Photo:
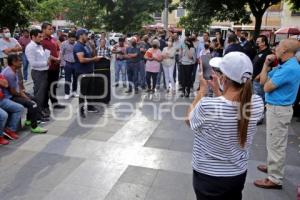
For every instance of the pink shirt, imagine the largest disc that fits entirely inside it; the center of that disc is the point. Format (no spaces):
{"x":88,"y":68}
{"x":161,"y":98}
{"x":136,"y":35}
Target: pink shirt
{"x":153,"y":65}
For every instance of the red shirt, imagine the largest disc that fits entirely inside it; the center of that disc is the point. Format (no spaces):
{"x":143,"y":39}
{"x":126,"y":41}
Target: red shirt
{"x":24,"y":42}
{"x":52,"y":45}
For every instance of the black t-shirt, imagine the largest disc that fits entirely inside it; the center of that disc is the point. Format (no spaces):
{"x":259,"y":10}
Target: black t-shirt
{"x":259,"y":60}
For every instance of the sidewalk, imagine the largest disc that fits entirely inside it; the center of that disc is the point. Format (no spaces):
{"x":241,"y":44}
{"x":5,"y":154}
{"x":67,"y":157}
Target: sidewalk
{"x":142,"y":158}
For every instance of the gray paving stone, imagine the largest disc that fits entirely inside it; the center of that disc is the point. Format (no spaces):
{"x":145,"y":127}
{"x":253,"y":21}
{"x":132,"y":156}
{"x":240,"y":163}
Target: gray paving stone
{"x":139,"y":175}
{"x":157,"y":142}
{"x":166,"y":194}
{"x":24,"y":193}
{"x":172,"y":180}
{"x":127,"y":191}
{"x":76,"y":192}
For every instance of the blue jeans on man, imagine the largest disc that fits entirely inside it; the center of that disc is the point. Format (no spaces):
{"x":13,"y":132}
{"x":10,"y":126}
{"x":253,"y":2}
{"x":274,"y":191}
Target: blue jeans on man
{"x":259,"y":90}
{"x":14,"y":111}
{"x":25,"y":66}
{"x":70,"y":78}
{"x":132,"y":73}
{"x":120,"y":67}
{"x":142,"y":74}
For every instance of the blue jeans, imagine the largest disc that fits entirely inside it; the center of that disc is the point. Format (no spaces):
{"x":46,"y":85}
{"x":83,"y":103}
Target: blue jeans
{"x":132,"y":73}
{"x":3,"y":119}
{"x":259,"y":90}
{"x":70,"y":77}
{"x":25,"y":66}
{"x":14,"y":111}
{"x":142,"y":74}
{"x":120,"y":66}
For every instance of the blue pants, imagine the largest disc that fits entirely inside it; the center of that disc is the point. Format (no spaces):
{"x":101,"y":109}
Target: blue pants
{"x":25,"y":66}
{"x":3,"y":119}
{"x":70,"y":77}
{"x":258,"y":89}
{"x":132,"y":73}
{"x":120,"y":66}
{"x":142,"y":74}
{"x":14,"y":111}
{"x":161,"y":72}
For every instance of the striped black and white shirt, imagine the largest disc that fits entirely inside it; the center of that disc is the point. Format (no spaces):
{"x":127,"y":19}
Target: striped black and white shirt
{"x":216,"y":150}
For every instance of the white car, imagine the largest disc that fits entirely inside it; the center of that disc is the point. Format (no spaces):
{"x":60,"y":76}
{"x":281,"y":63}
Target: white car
{"x":114,"y":37}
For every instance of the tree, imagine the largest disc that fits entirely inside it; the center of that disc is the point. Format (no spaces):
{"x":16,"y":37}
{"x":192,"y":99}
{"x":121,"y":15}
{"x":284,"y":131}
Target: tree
{"x":85,"y":13}
{"x":46,"y":10}
{"x":129,"y":15}
{"x":233,"y":10}
{"x":15,"y":12}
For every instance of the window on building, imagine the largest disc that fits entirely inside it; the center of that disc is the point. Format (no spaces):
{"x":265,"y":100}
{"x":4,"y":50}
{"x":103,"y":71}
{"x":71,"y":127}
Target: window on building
{"x":180,"y":12}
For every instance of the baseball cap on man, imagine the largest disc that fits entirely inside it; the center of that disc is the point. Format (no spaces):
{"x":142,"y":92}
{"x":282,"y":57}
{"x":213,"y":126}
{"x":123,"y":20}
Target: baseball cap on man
{"x":80,"y":32}
{"x":237,"y":66}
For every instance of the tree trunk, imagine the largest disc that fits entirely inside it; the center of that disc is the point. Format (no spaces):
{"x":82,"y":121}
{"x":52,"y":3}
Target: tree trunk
{"x":258,"y":22}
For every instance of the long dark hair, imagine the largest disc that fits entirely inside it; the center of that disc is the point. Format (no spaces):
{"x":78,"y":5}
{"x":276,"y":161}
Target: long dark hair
{"x":244,"y":98}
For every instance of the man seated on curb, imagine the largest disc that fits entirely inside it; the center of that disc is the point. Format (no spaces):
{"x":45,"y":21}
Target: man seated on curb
{"x":16,"y":94}
{"x":11,"y":109}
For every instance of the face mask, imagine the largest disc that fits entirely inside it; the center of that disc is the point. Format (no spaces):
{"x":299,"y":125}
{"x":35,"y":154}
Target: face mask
{"x":7,"y":35}
{"x":221,"y":85}
{"x":243,"y":39}
{"x":154,"y":46}
{"x":206,"y":46}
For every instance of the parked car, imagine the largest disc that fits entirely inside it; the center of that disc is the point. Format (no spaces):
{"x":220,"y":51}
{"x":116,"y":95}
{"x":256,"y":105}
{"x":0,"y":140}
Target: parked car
{"x":114,"y":37}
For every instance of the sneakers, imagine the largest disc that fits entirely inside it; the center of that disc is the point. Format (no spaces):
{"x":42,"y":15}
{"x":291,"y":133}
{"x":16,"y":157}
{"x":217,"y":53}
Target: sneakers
{"x":74,"y":94}
{"x":10,"y":134}
{"x":38,"y":130}
{"x":27,"y":123}
{"x":3,"y":141}
{"x":67,"y":97}
{"x":92,"y":109}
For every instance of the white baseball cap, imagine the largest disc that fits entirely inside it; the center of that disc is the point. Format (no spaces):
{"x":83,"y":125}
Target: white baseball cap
{"x":237,"y":66}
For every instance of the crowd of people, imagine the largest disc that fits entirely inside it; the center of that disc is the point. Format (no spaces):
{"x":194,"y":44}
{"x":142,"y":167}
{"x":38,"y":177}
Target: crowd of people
{"x":231,"y":69}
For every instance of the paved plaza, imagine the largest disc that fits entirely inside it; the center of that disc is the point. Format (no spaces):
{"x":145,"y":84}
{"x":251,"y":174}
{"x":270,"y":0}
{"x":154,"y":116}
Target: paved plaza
{"x":114,"y":155}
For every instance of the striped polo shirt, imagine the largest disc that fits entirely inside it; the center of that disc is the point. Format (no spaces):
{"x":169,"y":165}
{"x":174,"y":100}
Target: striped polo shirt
{"x":216,"y":150}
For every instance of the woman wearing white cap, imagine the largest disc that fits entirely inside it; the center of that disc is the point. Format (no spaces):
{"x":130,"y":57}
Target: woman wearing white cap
{"x":224,"y":127}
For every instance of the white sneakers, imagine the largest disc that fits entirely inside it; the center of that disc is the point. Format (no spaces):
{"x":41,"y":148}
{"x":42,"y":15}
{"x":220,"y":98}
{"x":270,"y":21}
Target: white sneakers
{"x":73,"y":94}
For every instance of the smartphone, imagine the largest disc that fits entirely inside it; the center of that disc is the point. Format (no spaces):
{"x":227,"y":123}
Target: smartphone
{"x":207,"y":69}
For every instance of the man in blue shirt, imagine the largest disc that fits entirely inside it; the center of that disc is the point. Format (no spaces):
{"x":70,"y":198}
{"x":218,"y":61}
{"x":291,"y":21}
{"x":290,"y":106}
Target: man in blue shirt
{"x":281,"y":85}
{"x":84,"y":65}
{"x":133,"y":56}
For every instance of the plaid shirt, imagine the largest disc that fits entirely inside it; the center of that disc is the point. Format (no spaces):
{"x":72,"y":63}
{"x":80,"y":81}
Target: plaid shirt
{"x":105,"y":52}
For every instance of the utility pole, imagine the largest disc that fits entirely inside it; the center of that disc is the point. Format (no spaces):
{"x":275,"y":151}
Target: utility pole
{"x":166,"y":20}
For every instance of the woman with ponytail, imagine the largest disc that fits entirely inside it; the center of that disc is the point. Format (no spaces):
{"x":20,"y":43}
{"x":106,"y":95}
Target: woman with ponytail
{"x":224,"y":127}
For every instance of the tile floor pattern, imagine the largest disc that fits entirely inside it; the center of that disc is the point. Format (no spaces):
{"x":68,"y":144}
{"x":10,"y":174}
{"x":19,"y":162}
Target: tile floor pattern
{"x":142,"y":157}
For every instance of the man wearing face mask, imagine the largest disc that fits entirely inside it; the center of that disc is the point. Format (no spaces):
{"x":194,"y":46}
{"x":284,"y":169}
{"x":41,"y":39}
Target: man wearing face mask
{"x":133,"y":62}
{"x":9,"y":45}
{"x":258,"y":63}
{"x":248,"y":46}
{"x":281,"y":85}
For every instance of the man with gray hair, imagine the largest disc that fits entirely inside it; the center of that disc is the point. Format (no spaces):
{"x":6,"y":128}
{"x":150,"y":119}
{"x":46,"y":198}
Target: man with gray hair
{"x":281,"y":85}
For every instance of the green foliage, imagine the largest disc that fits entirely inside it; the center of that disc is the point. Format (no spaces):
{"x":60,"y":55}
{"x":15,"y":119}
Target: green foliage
{"x":206,"y":11}
{"x":46,"y":10}
{"x":13,"y":12}
{"x":129,"y":15}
